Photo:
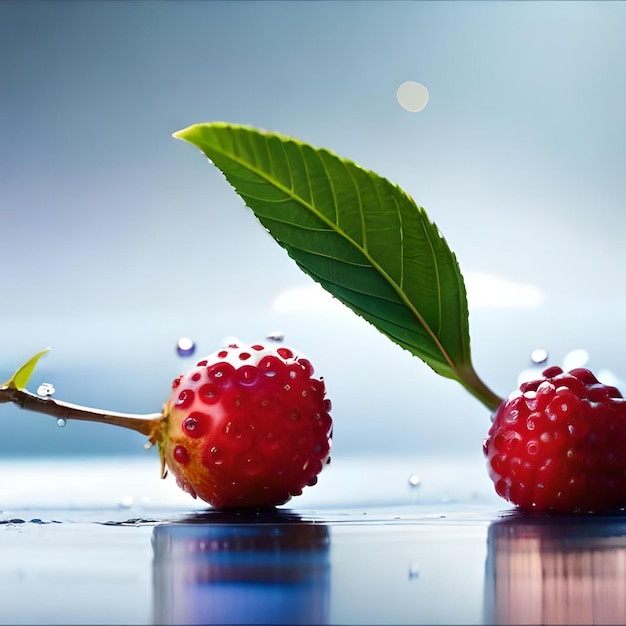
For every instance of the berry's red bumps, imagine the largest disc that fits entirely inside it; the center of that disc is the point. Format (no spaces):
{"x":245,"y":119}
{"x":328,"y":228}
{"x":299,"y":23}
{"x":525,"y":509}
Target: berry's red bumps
{"x":560,"y":444}
{"x":248,"y":426}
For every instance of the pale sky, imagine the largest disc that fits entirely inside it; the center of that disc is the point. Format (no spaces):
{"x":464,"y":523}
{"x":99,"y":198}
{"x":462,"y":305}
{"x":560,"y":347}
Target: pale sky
{"x":117,"y":238}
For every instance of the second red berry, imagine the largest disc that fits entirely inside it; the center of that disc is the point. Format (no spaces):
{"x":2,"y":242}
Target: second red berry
{"x":559,"y":444}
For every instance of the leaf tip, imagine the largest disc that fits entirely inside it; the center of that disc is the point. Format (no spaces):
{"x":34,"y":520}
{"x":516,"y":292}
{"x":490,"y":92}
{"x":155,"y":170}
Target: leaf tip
{"x":182,"y":134}
{"x":20,"y":379}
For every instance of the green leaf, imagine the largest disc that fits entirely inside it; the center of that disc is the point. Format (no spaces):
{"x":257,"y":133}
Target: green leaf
{"x":20,"y":379}
{"x":361,"y":237}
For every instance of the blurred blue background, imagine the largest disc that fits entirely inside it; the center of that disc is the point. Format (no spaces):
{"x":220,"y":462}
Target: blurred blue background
{"x":118,"y":239}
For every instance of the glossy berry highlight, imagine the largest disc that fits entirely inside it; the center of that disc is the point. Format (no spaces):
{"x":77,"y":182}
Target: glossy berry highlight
{"x":559,"y":444}
{"x":248,"y":426}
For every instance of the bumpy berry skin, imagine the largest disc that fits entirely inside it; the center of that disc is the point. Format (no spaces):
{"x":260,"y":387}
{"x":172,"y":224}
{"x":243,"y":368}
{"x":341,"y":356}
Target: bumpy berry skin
{"x":560,"y":445}
{"x":249,"y":426}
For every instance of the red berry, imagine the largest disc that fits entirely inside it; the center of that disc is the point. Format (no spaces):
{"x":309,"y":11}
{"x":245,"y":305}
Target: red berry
{"x":248,"y":426}
{"x":559,"y":444}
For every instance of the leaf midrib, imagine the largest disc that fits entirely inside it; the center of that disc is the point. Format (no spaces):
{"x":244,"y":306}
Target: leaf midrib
{"x":334,"y":227}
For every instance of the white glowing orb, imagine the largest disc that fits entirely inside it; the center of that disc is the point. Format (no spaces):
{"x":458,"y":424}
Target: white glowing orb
{"x":412,"y":96}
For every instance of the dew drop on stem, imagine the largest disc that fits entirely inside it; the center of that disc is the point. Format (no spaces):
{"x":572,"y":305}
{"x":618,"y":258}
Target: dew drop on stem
{"x":45,"y":390}
{"x":61,"y":422}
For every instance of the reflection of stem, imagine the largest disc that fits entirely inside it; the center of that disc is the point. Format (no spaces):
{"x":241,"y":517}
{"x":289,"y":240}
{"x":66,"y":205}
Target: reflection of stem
{"x":148,"y":425}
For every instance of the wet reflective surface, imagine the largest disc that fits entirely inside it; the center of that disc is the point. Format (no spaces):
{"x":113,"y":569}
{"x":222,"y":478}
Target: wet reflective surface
{"x":92,"y":543}
{"x":218,"y":571}
{"x":560,"y":570}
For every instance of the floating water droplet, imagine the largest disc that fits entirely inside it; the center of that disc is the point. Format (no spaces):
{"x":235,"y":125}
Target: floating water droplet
{"x":45,"y":389}
{"x":414,"y":570}
{"x":277,"y":336}
{"x":539,"y":356}
{"x":414,"y":481}
{"x":126,"y":502}
{"x":185,"y":346}
{"x":61,"y":422}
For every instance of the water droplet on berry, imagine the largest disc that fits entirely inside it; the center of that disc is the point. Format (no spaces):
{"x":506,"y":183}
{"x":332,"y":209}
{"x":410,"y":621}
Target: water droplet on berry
{"x":185,"y":398}
{"x":45,"y":389}
{"x":195,"y":425}
{"x":306,"y":366}
{"x":286,"y":353}
{"x":530,"y":398}
{"x":190,"y":424}
{"x":539,"y":356}
{"x":220,"y":373}
{"x":181,"y":455}
{"x":61,"y":422}
{"x":532,"y":448}
{"x":270,"y":366}
{"x":185,"y":347}
{"x":246,"y":375}
{"x":414,"y":481}
{"x":215,"y":456}
{"x":414,"y":571}
{"x":209,"y":393}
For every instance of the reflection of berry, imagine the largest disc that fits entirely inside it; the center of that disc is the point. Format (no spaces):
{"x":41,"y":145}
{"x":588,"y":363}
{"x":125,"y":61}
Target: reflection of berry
{"x":248,"y":426}
{"x":560,"y":444}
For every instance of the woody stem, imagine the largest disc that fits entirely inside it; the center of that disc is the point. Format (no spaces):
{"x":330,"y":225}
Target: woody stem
{"x":148,"y":424}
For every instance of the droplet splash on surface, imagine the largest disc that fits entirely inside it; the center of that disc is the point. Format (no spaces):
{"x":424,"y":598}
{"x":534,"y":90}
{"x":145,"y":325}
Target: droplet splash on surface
{"x":61,"y":422}
{"x":185,"y":347}
{"x":45,"y":390}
